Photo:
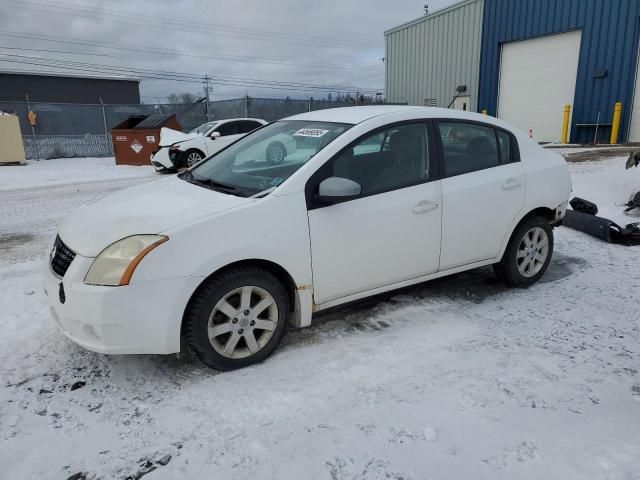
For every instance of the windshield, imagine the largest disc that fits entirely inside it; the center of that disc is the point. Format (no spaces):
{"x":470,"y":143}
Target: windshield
{"x":265,"y":158}
{"x":204,"y":128}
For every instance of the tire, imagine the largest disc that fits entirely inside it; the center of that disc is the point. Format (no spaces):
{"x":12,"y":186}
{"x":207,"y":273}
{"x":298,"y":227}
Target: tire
{"x":236,"y":339}
{"x":276,"y":153}
{"x":191,"y":157}
{"x":527,"y":255}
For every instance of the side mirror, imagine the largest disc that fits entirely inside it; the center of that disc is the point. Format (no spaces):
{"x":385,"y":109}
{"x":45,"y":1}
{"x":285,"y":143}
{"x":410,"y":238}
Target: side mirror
{"x":338,"y":189}
{"x":215,"y":135}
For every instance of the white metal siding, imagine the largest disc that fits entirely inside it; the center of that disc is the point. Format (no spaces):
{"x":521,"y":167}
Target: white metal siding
{"x":537,"y":78}
{"x":429,"y":57}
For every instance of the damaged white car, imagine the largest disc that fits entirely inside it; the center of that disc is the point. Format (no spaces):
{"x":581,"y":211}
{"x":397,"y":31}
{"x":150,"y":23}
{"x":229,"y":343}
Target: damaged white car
{"x":182,"y":150}
{"x":227,"y":256}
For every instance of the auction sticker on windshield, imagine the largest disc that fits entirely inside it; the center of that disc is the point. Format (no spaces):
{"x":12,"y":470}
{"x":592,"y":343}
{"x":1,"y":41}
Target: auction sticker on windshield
{"x":310,"y":132}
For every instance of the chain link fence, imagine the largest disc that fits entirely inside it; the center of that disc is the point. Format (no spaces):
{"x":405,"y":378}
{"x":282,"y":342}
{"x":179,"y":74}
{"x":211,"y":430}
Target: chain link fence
{"x":74,"y":130}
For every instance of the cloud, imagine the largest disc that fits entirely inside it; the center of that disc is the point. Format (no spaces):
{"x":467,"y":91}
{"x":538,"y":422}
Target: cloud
{"x":321,"y":43}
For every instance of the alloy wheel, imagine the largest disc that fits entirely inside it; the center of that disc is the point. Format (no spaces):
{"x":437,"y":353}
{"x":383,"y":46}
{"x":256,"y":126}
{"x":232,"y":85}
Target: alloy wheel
{"x":243,"y":322}
{"x":533,"y":251}
{"x":193,"y":158}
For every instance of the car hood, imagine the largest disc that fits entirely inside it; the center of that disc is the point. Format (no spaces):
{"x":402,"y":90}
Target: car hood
{"x":151,"y":208}
{"x":170,"y":137}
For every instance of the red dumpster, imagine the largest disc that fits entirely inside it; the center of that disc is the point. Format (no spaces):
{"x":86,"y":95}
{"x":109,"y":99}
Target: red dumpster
{"x":135,"y":139}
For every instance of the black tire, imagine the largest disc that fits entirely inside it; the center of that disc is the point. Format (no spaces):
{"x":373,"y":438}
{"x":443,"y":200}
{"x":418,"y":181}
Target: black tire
{"x":202,"y":304}
{"x":507,"y":270}
{"x":276,"y":153}
{"x":184,"y":158}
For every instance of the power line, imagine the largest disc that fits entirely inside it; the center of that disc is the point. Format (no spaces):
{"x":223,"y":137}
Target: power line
{"x":151,"y":21}
{"x":152,"y":50}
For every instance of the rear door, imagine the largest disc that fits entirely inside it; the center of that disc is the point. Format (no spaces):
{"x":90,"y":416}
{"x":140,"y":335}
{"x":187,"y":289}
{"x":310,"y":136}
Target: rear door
{"x":483,"y":190}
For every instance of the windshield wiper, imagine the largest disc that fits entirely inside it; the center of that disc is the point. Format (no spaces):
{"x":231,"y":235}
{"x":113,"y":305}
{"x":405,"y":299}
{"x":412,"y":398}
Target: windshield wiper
{"x":208,"y":182}
{"x":263,"y":193}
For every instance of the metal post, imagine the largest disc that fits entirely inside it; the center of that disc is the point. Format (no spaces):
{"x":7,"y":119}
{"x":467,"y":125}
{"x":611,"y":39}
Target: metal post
{"x":615,"y":126}
{"x":33,"y":130}
{"x":595,"y":135}
{"x":104,"y":121}
{"x":246,"y":105}
{"x":565,"y":125}
{"x":309,"y":109}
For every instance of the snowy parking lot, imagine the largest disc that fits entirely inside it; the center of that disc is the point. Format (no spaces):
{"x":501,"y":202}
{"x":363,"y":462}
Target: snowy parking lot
{"x":457,"y":378}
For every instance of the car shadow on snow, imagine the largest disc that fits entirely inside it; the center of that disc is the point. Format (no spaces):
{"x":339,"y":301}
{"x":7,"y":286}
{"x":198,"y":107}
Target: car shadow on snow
{"x":463,"y":289}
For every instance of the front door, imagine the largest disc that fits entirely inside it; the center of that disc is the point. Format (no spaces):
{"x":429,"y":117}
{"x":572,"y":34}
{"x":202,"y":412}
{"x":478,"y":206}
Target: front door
{"x":229,"y":133}
{"x":483,"y":190}
{"x":391,"y":232}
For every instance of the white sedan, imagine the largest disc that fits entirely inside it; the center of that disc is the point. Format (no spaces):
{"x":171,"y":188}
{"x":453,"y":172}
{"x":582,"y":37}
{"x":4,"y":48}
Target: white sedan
{"x":229,"y":255}
{"x":181,"y":150}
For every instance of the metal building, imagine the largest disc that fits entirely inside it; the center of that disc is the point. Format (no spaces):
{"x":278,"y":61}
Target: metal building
{"x":434,"y":60}
{"x":523,"y":61}
{"x":538,"y":55}
{"x":57,"y":88}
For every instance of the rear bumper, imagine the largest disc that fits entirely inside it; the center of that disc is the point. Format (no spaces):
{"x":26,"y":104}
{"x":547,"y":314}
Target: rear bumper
{"x":140,"y":318}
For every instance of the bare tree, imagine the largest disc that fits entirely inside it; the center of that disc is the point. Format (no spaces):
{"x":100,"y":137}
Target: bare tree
{"x":185,"y":97}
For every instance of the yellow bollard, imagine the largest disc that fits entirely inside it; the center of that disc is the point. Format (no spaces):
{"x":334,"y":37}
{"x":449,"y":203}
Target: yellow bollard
{"x":485,"y":112}
{"x":565,"y":124}
{"x":615,"y":126}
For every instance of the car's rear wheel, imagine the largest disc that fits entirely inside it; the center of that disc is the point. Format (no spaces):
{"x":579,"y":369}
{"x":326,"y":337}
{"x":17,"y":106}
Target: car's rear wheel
{"x":237,"y":318}
{"x":276,"y":153}
{"x":528,"y":253}
{"x":191,"y":157}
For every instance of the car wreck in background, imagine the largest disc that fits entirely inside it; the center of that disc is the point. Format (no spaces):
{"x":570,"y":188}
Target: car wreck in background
{"x":182,"y":150}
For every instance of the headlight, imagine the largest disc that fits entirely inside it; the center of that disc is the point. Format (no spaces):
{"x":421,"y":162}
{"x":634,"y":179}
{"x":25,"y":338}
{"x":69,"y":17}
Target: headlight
{"x":115,"y":265}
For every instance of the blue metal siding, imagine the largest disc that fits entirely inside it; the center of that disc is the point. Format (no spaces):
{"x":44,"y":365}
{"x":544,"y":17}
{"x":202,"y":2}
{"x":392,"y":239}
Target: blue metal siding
{"x":610,"y":35}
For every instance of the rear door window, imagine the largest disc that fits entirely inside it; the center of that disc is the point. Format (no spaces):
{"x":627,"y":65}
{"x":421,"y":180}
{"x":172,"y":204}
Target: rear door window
{"x":246,"y":126}
{"x":468,"y":147}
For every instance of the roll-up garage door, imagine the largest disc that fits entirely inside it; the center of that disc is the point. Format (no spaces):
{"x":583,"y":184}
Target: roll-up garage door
{"x":537,"y":78}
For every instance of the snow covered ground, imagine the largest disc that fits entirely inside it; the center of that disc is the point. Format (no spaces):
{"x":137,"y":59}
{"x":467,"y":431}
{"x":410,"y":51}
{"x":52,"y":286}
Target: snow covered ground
{"x":457,"y":378}
{"x":63,"y":171}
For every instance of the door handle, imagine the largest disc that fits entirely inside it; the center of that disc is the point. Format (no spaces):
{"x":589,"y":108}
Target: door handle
{"x":424,"y":207}
{"x":511,"y":183}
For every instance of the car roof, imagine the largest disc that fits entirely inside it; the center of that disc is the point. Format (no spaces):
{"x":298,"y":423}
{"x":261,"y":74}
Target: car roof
{"x":237,"y":119}
{"x":355,"y":115}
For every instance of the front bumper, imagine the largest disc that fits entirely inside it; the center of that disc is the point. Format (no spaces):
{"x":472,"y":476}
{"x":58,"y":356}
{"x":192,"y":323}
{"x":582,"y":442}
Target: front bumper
{"x":161,"y":161}
{"x":141,"y":318}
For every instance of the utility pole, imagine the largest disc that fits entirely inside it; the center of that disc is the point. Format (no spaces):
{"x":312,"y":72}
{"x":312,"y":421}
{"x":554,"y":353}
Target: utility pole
{"x":207,"y":89}
{"x":104,"y":121}
{"x":33,"y":130}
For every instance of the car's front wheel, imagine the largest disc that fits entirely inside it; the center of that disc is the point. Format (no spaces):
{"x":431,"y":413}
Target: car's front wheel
{"x":191,"y":157}
{"x":528,"y":253}
{"x":237,"y":318}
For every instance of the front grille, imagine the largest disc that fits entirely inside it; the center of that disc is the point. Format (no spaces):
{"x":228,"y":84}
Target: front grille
{"x":61,"y":257}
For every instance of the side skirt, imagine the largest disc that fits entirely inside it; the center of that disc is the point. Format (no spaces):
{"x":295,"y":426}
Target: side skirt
{"x":406,"y":283}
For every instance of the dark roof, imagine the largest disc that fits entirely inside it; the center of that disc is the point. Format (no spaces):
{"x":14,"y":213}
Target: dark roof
{"x":153,"y":121}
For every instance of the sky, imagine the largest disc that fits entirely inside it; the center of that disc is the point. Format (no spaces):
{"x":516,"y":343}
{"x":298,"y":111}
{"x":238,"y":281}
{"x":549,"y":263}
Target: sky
{"x":274,"y":48}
